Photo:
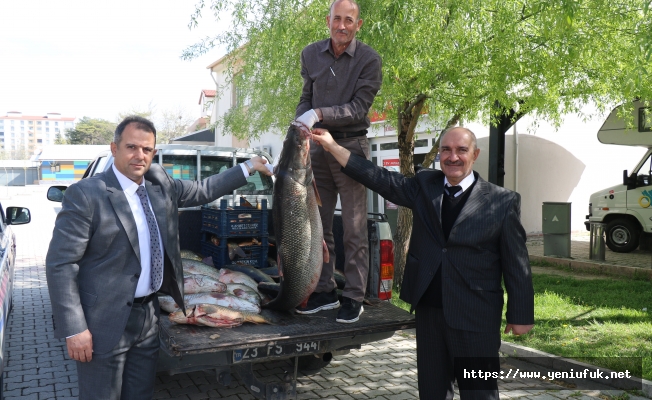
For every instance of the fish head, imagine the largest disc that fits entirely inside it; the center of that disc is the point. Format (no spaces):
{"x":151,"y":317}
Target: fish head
{"x":180,"y":318}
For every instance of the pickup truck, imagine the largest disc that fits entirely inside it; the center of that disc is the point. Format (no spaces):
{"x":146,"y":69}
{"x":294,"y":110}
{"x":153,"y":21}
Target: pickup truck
{"x":13,"y":216}
{"x":311,"y":341}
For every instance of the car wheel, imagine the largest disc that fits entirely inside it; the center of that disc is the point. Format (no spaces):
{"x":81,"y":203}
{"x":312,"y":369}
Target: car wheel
{"x":622,"y":235}
{"x":311,"y":364}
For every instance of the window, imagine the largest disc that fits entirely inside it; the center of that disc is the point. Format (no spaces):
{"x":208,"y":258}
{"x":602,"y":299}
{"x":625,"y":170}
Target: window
{"x":56,"y":123}
{"x":47,"y":129}
{"x":12,"y":129}
{"x":56,"y":130}
{"x":421,"y":143}
{"x":22,"y":129}
{"x":38,"y":123}
{"x":22,"y":122}
{"x":47,"y":123}
{"x":39,"y":140}
{"x":389,"y":146}
{"x":644,"y":119}
{"x":180,"y":166}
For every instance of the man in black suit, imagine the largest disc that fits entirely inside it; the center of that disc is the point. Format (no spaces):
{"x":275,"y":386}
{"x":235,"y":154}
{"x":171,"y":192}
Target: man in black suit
{"x":467,"y":238}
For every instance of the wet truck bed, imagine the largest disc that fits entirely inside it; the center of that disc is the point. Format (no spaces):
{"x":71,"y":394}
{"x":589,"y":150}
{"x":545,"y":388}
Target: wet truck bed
{"x":191,"y":347}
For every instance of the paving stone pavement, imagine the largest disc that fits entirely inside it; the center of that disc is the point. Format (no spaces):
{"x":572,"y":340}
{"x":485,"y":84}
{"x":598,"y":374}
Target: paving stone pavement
{"x":37,"y":366}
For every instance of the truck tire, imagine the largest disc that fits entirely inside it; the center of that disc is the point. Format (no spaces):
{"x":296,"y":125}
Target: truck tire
{"x":622,"y":235}
{"x":310,"y":364}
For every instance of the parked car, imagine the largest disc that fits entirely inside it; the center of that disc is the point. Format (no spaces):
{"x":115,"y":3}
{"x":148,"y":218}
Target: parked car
{"x":13,"y":216}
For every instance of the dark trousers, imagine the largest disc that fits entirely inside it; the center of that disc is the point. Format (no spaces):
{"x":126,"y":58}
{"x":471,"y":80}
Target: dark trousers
{"x":444,"y":353}
{"x":128,"y":372}
{"x":331,"y":181}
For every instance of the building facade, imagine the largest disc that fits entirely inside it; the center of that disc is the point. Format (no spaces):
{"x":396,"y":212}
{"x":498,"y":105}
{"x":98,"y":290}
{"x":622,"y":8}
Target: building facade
{"x":30,"y":132}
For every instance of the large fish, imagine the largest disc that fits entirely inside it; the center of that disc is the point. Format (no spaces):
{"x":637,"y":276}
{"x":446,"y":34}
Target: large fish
{"x":297,"y":225}
{"x":216,"y":316}
{"x":168,"y":304}
{"x":193,"y":284}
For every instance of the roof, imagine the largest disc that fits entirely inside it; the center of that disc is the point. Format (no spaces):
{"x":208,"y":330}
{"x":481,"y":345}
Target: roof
{"x":37,"y":118}
{"x":206,"y":93}
{"x":205,"y":135}
{"x":71,"y":152}
{"x":18,"y":164}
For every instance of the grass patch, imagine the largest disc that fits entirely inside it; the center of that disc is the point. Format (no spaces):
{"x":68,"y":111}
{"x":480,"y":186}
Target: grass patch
{"x":596,"y":321}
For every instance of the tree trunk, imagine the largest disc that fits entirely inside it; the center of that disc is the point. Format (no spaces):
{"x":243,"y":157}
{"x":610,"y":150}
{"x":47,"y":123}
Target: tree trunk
{"x":407,"y":120}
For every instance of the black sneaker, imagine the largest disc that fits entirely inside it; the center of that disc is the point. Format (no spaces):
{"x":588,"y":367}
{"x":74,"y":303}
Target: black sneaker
{"x":320,"y":302}
{"x":350,"y":311}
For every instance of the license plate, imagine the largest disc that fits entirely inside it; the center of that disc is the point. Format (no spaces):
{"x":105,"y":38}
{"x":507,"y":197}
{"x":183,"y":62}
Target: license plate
{"x":276,"y":350}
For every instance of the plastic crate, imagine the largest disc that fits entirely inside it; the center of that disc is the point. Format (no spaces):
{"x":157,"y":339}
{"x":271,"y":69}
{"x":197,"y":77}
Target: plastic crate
{"x":238,"y":222}
{"x":256,"y":256}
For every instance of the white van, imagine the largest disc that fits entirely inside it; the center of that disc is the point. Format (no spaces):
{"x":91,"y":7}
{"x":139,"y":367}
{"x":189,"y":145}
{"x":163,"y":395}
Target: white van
{"x":626,"y":208}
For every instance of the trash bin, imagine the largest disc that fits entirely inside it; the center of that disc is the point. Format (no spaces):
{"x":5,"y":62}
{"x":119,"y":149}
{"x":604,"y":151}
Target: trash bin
{"x":596,"y":241}
{"x":556,"y":226}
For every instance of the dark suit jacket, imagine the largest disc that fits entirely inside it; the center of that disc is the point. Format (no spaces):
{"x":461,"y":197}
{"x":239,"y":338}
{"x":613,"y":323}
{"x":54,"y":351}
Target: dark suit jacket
{"x":486,"y":245}
{"x":93,"y":263}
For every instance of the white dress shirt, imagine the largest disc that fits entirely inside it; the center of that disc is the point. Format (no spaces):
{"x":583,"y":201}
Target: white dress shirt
{"x":129,"y":188}
{"x":465,"y":184}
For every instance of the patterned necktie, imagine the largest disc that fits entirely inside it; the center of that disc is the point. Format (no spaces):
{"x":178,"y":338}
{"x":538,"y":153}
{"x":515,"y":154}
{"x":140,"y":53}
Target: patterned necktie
{"x":156,"y":257}
{"x":452,"y":190}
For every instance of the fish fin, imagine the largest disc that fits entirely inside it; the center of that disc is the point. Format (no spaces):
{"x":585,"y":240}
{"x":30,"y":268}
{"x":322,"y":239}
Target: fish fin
{"x":314,"y":185}
{"x":304,"y":303}
{"x":327,"y":255}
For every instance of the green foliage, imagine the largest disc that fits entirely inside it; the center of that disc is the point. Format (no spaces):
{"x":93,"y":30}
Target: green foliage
{"x":463,"y":55}
{"x":60,"y":139}
{"x":91,"y":131}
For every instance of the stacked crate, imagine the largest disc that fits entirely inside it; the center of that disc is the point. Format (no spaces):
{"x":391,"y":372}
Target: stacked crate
{"x":238,"y":223}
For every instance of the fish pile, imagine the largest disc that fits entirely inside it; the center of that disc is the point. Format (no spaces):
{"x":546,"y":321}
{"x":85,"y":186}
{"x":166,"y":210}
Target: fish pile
{"x":216,"y":298}
{"x":301,"y":250}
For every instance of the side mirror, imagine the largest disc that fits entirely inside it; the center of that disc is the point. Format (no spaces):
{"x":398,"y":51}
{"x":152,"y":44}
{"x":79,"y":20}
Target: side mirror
{"x":18,"y":216}
{"x":630,"y":181}
{"x":55,"y":193}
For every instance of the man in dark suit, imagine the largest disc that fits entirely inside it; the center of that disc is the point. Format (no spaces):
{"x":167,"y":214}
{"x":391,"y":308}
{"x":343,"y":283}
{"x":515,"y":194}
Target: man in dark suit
{"x":466,"y":238}
{"x":115,"y":245}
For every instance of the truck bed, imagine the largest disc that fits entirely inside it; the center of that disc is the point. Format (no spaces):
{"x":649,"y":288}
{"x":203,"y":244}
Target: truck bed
{"x":190,"y":347}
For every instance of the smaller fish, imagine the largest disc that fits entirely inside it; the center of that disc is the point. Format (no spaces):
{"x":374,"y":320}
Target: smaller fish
{"x":235,"y":251}
{"x":193,"y":284}
{"x":190,"y":255}
{"x":269,"y":289}
{"x":244,"y":292}
{"x":192,"y":267}
{"x":251,"y":271}
{"x":216,"y":316}
{"x":228,"y":276}
{"x":219,"y":299}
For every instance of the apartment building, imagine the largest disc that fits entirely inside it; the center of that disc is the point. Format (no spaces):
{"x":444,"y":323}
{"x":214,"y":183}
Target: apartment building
{"x":31,"y":132}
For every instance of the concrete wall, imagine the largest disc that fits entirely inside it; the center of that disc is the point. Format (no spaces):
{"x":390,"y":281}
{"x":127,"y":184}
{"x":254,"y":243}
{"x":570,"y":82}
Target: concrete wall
{"x":565,"y":164}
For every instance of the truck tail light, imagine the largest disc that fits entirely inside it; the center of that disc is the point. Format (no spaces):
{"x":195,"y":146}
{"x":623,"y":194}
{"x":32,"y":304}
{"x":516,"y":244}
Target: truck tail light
{"x":386,"y":270}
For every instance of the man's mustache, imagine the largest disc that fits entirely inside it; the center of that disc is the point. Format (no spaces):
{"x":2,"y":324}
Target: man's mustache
{"x":454,"y":164}
{"x":344,"y":31}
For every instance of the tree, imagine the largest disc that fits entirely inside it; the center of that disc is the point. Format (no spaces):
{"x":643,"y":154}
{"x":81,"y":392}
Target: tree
{"x":91,"y":131}
{"x":171,"y":124}
{"x":60,"y":139}
{"x":458,"y":60}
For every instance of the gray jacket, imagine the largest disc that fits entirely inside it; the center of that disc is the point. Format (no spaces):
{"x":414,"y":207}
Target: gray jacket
{"x":93,"y":262}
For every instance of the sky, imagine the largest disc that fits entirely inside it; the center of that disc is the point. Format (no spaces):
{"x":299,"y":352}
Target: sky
{"x":98,"y":59}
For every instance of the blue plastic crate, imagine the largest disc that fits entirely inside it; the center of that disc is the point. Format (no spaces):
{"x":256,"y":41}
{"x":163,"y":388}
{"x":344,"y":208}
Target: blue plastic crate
{"x":238,"y":222}
{"x":255,"y":256}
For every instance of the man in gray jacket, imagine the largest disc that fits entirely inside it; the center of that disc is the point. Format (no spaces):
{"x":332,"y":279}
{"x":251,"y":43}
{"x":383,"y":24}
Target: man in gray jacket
{"x":115,"y":245}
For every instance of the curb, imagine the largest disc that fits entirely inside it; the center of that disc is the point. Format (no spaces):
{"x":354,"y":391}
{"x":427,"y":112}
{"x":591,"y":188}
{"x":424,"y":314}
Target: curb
{"x":560,"y":363}
{"x":594,"y":267}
